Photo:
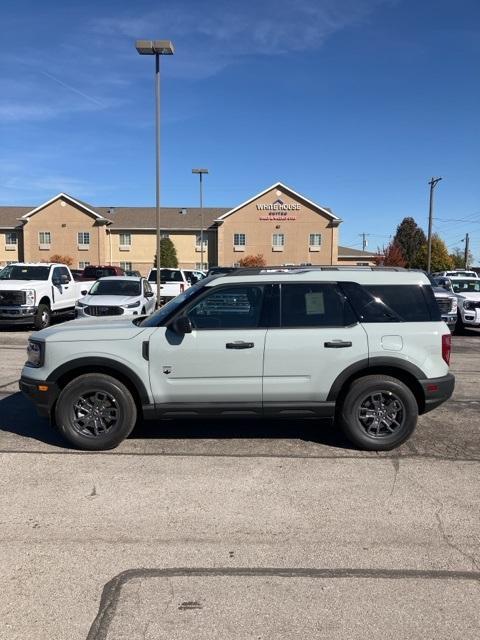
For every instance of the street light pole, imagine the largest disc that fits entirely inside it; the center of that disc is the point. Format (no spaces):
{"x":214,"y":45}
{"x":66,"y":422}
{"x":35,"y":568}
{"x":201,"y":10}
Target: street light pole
{"x":202,"y":225}
{"x":433,"y":183}
{"x":156,"y":48}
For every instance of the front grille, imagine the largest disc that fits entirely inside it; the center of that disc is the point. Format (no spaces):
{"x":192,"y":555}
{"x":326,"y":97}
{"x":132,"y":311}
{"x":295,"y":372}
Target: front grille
{"x":10,"y":298}
{"x":103,"y":311}
{"x":445,"y":304}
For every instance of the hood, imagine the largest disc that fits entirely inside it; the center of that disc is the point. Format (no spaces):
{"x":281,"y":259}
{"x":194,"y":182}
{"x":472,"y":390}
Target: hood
{"x":441,"y":292}
{"x":469,"y":295}
{"x":16,"y":285}
{"x":94,"y":329}
{"x":109,"y":301}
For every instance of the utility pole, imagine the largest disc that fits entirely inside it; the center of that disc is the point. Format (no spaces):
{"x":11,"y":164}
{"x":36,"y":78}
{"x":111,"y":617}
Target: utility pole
{"x":467,"y":242}
{"x":364,"y":240}
{"x":433,"y":183}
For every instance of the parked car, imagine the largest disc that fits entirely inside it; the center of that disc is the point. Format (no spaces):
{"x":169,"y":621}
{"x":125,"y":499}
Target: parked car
{"x":117,"y":296}
{"x":92,"y":272}
{"x":194,"y":276}
{"x":173,"y":282}
{"x":135,"y":274}
{"x":214,"y":271}
{"x":447,"y":303}
{"x":455,"y":273}
{"x":467,"y":292}
{"x":31,"y":293}
{"x":367,"y":347}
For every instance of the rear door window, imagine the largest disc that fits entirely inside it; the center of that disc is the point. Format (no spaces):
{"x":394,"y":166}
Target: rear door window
{"x":314,"y":305}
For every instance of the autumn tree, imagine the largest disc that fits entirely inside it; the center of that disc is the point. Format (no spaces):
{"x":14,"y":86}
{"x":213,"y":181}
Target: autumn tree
{"x":253,"y":261}
{"x":62,"y":259}
{"x":391,"y":256}
{"x":168,"y":254}
{"x":440,"y":260}
{"x":410,"y":238}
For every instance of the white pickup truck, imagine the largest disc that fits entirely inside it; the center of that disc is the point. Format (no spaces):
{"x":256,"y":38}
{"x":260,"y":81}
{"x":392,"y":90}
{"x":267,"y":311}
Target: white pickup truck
{"x":173,"y":282}
{"x":31,"y":293}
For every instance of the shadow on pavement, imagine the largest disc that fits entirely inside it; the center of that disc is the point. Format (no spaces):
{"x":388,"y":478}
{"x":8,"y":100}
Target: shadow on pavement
{"x":18,"y":417}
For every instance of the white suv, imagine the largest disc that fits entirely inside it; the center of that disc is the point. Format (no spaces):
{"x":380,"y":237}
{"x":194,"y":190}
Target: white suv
{"x":364,"y":346}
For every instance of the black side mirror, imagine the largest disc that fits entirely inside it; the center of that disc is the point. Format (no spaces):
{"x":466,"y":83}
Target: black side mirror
{"x":84,"y":292}
{"x":182,"y":325}
{"x":64,"y":279}
{"x":149,"y":294}
{"x":56,"y":282}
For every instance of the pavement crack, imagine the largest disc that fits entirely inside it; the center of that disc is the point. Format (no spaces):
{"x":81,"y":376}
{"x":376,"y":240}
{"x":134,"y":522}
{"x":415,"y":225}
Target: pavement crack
{"x":451,"y":544}
{"x":396,"y":467}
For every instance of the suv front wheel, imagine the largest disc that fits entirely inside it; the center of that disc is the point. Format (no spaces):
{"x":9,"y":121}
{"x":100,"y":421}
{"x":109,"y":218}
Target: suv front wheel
{"x":95,"y":412}
{"x":378,"y":413}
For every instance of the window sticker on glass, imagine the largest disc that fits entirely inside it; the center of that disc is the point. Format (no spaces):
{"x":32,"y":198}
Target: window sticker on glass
{"x":314,"y":303}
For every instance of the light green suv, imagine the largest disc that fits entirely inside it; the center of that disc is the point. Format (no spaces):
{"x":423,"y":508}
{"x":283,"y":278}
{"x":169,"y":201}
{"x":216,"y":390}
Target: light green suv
{"x":364,"y":346}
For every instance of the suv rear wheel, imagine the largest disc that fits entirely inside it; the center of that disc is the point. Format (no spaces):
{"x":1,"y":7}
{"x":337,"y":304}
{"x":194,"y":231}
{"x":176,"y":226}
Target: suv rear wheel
{"x":95,"y":412}
{"x":378,"y":413}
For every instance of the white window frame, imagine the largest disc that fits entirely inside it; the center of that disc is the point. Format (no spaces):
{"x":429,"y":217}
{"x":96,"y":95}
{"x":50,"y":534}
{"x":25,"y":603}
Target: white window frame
{"x":125,"y":241}
{"x":83,"y":263}
{"x":278,"y":241}
{"x":198,"y":266}
{"x":81,"y":237}
{"x":315,"y":246}
{"x":198,"y":244}
{"x":242,"y":241}
{"x":9,"y":237}
{"x":44,"y":246}
{"x":125,"y":265}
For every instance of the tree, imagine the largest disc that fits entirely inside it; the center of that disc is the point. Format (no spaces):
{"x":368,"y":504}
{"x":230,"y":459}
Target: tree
{"x":391,"y":256}
{"x":440,"y":260}
{"x":253,"y":261}
{"x":168,"y":254}
{"x":62,"y":259}
{"x":410,"y":238}
{"x":458,"y":258}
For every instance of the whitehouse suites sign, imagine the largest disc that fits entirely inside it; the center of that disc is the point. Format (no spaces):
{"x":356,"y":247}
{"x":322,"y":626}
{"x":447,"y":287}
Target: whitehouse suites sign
{"x":278,"y":210}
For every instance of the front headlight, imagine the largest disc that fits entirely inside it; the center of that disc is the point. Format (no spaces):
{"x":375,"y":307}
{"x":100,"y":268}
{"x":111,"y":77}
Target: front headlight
{"x":30,"y":297}
{"x":468,"y":304}
{"x":133,"y":305}
{"x":35,"y":353}
{"x":454,"y":305}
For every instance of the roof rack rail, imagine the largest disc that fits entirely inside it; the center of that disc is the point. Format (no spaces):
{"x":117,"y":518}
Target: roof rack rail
{"x":267,"y":270}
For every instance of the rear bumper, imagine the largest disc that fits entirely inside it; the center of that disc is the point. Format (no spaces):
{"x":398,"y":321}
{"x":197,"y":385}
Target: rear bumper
{"x":437,"y":391}
{"x":43,"y":400}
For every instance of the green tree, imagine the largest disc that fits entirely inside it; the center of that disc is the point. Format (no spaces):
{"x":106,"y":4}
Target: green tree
{"x":410,"y":238}
{"x":168,"y":254}
{"x":458,"y":258}
{"x":391,"y":256}
{"x":440,"y":260}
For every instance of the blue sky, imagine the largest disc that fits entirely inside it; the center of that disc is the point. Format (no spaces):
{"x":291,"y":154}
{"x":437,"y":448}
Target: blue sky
{"x":354,"y":103}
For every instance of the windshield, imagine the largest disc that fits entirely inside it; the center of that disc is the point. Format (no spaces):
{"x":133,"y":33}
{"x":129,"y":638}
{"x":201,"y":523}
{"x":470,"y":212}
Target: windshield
{"x":117,"y":287}
{"x":95,"y":272}
{"x":18,"y":272}
{"x":466,"y":286}
{"x":157,"y":318}
{"x":166,"y":275}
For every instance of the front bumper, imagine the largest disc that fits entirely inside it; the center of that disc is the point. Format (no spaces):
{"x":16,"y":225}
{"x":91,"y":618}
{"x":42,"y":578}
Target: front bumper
{"x":43,"y":394}
{"x":471,"y":317}
{"x":17,"y":315}
{"x":437,"y":391}
{"x":450,"y":319}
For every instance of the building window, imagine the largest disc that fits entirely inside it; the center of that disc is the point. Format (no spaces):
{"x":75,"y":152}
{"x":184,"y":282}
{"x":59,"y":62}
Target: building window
{"x":198,"y":243}
{"x":83,"y":240}
{"x":83,"y":263}
{"x":44,"y":239}
{"x":10,"y":241}
{"x":198,"y":265}
{"x":278,"y":241}
{"x":315,"y":241}
{"x":239,"y":241}
{"x":126,"y":266}
{"x":164,"y":235}
{"x":125,"y":240}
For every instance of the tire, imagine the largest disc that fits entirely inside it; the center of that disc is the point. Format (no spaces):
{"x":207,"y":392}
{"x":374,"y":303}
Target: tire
{"x":459,"y":327}
{"x":43,"y":317}
{"x":371,"y":426}
{"x":95,"y":412}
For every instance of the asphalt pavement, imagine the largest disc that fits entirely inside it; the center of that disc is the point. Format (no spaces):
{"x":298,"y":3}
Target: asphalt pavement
{"x":234,"y":529}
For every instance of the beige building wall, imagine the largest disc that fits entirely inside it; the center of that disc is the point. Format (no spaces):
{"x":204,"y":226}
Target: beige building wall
{"x":10,"y":253}
{"x":64,"y":221}
{"x":259,"y":226}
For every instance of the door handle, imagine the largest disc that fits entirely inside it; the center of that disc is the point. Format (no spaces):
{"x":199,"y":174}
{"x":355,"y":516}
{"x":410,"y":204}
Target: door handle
{"x":337,"y":344}
{"x":239,"y":344}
